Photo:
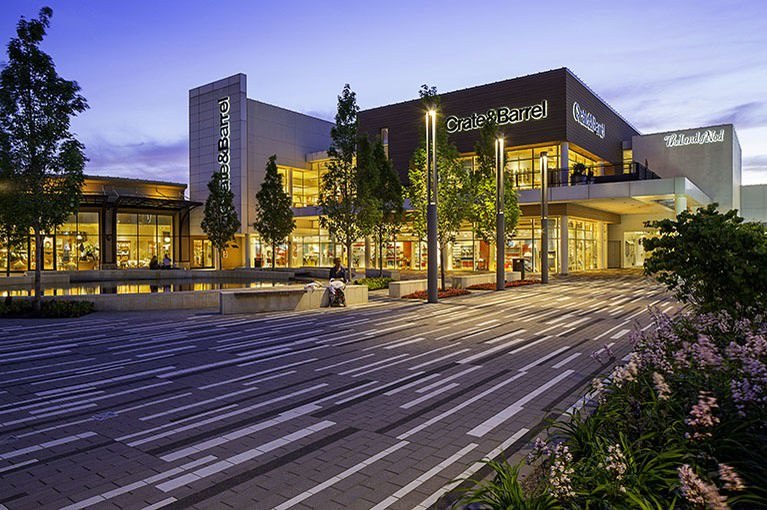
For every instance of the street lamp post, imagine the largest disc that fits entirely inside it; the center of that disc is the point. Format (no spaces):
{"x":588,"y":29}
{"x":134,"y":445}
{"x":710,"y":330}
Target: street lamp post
{"x":431,"y":207}
{"x":500,"y":222}
{"x":544,"y":220}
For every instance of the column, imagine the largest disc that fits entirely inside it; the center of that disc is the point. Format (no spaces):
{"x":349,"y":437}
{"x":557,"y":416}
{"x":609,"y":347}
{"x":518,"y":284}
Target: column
{"x":564,"y":163}
{"x":680,"y":203}
{"x":563,"y":245}
{"x":248,"y":254}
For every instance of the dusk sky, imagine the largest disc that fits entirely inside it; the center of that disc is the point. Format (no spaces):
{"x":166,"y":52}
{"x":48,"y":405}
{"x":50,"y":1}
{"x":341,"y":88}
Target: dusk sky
{"x":661,"y":64}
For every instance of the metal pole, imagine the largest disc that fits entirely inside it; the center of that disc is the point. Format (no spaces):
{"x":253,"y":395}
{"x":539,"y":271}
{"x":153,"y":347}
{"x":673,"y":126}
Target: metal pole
{"x":431,"y":208}
{"x":500,"y":222}
{"x":544,"y":220}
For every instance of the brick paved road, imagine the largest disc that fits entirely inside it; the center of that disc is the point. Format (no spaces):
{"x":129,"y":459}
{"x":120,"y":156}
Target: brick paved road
{"x":372,"y":407}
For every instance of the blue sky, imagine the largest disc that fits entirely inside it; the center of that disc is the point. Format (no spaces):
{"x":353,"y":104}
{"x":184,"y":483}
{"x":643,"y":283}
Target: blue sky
{"x":662,"y":64}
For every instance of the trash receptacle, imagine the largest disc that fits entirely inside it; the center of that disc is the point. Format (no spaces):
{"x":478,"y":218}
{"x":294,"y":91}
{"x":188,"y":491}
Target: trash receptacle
{"x":519,"y":265}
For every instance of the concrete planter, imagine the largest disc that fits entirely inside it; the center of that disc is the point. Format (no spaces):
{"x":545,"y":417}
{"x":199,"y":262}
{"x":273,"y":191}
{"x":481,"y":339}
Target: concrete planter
{"x":405,"y":287}
{"x":286,"y":299}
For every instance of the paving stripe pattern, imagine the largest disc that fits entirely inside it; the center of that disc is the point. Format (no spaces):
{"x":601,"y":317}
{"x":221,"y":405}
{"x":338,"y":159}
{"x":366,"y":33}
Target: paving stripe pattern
{"x":377,"y":406}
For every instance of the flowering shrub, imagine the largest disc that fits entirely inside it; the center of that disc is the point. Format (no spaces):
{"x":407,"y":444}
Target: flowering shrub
{"x":422,"y":294}
{"x":683,"y":424}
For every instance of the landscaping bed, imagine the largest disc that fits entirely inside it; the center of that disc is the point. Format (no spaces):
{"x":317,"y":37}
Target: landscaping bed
{"x":491,"y":286}
{"x":17,"y":308}
{"x":374,"y":283}
{"x":422,"y":294}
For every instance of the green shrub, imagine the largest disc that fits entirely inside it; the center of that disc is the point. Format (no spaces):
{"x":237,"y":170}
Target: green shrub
{"x":374,"y":283}
{"x":49,"y":308}
{"x":505,"y":492}
{"x":711,"y":260}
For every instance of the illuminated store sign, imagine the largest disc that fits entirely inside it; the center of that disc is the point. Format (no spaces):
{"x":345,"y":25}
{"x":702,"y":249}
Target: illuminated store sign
{"x":587,"y":120}
{"x":223,"y":137}
{"x":699,"y":138}
{"x":502,"y":116}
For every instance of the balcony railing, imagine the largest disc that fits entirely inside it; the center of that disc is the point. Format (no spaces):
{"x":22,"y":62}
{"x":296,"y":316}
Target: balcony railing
{"x":598,"y":174}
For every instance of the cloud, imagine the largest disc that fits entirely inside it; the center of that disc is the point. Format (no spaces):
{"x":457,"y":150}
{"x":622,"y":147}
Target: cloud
{"x":145,"y":160}
{"x":746,"y":115}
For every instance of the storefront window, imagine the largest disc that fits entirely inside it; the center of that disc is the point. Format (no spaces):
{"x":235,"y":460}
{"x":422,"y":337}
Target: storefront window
{"x":77,"y":242}
{"x":526,"y":244}
{"x":141,"y":237}
{"x":202,"y":253}
{"x":583,"y":244}
{"x":524,"y":165}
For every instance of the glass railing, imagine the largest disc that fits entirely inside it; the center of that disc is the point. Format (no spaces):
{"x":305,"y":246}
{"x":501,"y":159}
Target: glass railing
{"x":597,"y":174}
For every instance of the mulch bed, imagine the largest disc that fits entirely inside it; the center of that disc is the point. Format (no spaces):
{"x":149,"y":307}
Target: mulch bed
{"x":422,"y":294}
{"x":491,"y":286}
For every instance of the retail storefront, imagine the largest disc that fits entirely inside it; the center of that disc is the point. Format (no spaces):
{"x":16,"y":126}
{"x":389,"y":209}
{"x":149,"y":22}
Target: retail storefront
{"x":605,"y":179}
{"x":121,"y":224}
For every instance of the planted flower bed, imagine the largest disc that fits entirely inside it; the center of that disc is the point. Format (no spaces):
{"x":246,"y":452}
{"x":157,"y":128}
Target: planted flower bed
{"x":422,"y":294}
{"x":491,"y":286}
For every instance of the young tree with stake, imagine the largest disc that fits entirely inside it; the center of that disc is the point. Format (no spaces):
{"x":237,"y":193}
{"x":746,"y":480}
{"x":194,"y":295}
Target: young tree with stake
{"x":274,"y":216}
{"x":220,"y":222}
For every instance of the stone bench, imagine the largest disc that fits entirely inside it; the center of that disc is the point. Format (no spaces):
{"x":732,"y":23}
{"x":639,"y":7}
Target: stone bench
{"x":464,"y":281}
{"x":405,"y":287}
{"x":284,"y":299}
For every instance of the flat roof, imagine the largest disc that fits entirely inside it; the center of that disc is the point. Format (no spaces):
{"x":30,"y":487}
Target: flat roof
{"x":134,"y":180}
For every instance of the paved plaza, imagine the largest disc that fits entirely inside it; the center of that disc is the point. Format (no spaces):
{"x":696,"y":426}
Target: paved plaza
{"x":379,"y":406}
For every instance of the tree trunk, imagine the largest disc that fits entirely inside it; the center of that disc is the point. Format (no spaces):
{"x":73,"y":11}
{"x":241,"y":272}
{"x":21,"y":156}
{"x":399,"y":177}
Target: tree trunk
{"x":8,"y":258}
{"x":442,"y":264}
{"x":37,"y":301}
{"x":274,"y":255}
{"x":380,"y":256}
{"x":220,"y":259}
{"x":349,"y":257}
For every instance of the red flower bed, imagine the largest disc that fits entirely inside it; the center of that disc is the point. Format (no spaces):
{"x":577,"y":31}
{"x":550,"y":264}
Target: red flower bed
{"x":422,"y":294}
{"x":491,"y":286}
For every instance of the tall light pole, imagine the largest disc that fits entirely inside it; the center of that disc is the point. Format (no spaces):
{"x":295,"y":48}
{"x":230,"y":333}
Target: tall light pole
{"x":544,"y":219}
{"x":431,"y":207}
{"x":500,"y":222}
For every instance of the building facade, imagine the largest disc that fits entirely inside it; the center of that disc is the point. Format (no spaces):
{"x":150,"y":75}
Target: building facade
{"x":121,"y":224}
{"x":596,"y":218}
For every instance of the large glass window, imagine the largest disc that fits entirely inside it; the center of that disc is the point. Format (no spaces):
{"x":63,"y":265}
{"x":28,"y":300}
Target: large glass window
{"x":77,"y":242}
{"x":526,"y":244}
{"x":525,"y":167}
{"x":582,"y":244}
{"x":142,"y":237}
{"x":202,"y":252}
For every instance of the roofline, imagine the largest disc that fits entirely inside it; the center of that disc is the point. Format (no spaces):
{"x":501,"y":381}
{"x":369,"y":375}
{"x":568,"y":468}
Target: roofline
{"x":632,"y":126}
{"x":134,"y":180}
{"x":691,"y":128}
{"x":291,"y":111}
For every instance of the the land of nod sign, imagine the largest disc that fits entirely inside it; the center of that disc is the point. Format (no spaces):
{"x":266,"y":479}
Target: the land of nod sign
{"x":223,"y":137}
{"x":587,"y":120}
{"x":502,"y":116}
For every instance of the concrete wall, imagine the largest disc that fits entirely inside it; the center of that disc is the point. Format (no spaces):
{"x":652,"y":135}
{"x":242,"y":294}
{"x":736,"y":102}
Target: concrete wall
{"x":753,"y":202}
{"x":204,"y":120}
{"x":290,"y":135}
{"x":715,"y":167}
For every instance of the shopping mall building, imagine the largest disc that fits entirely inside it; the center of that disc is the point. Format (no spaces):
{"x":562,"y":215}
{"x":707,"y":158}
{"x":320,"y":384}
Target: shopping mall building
{"x":596,"y":220}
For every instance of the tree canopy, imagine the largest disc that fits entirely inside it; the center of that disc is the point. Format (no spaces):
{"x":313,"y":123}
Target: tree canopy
{"x":42,"y":161}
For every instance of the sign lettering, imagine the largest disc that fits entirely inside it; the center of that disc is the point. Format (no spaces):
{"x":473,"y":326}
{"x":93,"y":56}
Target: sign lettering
{"x":699,"y":138}
{"x":223,"y":138}
{"x":587,"y":120}
{"x":502,"y":116}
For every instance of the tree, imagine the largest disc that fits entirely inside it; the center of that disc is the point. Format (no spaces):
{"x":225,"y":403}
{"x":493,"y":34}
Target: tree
{"x":483,"y":189}
{"x":274,"y":215}
{"x":220,"y":221}
{"x":712,"y":260}
{"x":43,"y":160}
{"x":381,"y":193}
{"x":339,"y":200}
{"x":12,"y":232}
{"x":453,"y":198}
